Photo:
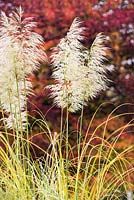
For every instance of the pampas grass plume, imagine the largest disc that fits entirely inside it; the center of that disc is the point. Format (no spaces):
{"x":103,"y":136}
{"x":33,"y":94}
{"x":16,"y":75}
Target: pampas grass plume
{"x":79,"y":73}
{"x":20,"y":54}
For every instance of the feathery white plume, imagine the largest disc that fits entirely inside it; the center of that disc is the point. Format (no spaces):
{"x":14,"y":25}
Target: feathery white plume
{"x":79,"y":73}
{"x":20,"y":53}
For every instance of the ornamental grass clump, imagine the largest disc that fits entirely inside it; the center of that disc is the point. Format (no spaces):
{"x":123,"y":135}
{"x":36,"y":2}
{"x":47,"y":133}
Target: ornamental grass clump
{"x":85,"y":171}
{"x":79,"y":72}
{"x":20,"y":54}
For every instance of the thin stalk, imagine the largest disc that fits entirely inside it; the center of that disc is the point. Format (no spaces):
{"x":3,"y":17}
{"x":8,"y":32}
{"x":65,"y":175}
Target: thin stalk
{"x":15,"y":131}
{"x":79,"y":153}
{"x":19,"y":130}
{"x":27,"y":131}
{"x":67,"y":150}
{"x":61,"y":127}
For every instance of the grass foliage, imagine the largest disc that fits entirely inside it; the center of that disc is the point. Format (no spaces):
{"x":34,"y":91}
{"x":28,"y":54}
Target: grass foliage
{"x":98,"y":172}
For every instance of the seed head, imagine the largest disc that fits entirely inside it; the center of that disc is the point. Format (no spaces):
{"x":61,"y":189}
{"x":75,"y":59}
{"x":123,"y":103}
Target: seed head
{"x":20,"y":54}
{"x":79,"y":73}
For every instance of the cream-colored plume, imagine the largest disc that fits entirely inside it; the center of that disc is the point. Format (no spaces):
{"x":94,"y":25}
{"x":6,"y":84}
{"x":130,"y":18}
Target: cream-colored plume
{"x":79,"y":73}
{"x":20,"y":54}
